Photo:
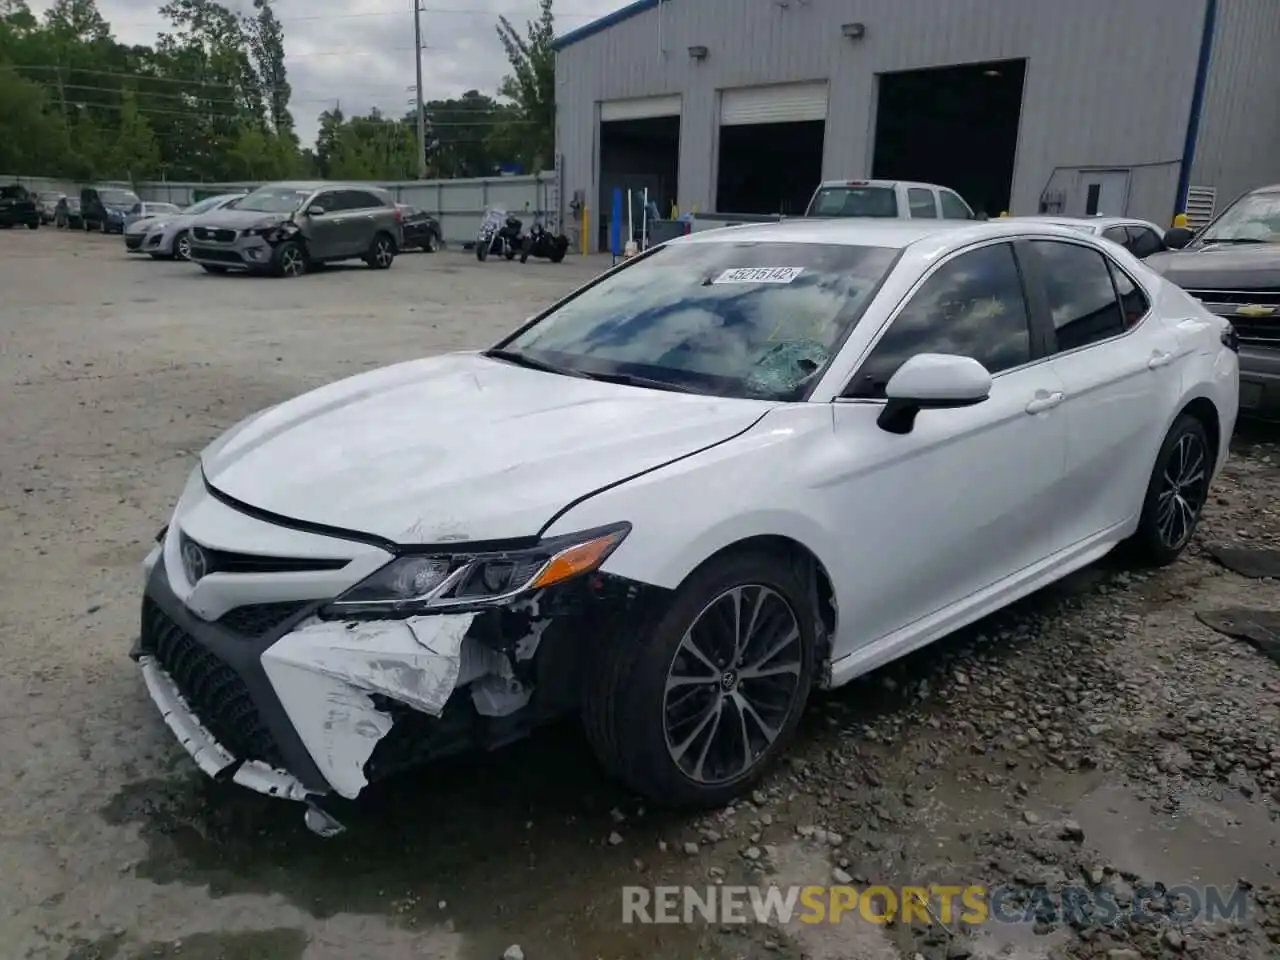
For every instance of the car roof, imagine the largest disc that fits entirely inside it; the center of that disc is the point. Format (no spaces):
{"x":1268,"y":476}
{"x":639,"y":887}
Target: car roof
{"x":881,"y":183}
{"x":324,"y":185}
{"x":1097,"y":222}
{"x":875,"y":232}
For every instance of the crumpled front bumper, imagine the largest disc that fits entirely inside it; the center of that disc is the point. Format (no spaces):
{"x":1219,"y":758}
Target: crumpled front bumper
{"x":292,"y":706}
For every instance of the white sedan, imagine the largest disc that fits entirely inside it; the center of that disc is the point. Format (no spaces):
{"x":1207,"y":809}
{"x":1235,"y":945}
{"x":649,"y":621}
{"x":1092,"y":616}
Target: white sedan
{"x":745,"y":464}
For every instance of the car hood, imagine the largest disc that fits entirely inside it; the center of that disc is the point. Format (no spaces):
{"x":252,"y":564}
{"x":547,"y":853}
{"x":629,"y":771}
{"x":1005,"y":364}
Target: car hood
{"x":459,"y":447}
{"x":240,"y":219}
{"x":143,"y":224}
{"x":182,"y":220}
{"x":1227,"y":266}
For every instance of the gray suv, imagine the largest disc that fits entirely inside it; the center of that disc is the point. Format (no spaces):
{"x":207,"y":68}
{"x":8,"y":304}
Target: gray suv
{"x":284,"y":228}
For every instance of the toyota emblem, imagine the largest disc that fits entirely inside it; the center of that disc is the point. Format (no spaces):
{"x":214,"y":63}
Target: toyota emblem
{"x":194,"y":563}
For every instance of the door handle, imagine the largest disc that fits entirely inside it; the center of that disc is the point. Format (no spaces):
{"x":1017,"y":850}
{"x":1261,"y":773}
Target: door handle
{"x":1159,"y":360}
{"x":1046,"y":402}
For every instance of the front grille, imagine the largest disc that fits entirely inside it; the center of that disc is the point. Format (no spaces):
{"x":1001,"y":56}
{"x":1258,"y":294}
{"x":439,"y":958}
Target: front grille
{"x":222,"y":256}
{"x":225,"y":561}
{"x":1265,"y":297}
{"x":256,"y":619}
{"x":211,"y":688}
{"x":1257,"y":332}
{"x":216,"y":234}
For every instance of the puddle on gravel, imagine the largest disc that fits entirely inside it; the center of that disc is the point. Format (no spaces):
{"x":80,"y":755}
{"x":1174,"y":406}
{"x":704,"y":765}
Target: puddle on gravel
{"x":515,"y":845}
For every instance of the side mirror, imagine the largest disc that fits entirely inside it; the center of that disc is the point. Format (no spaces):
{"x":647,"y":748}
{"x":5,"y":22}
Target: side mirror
{"x":932,"y":381}
{"x":315,"y":210}
{"x":1175,"y":238}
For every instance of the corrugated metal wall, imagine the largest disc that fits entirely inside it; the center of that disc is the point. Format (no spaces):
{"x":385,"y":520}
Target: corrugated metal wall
{"x":1109,"y":82}
{"x":1239,"y":142}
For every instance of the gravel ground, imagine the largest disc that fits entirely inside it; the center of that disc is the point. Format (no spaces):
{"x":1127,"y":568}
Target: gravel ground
{"x":1096,"y":735}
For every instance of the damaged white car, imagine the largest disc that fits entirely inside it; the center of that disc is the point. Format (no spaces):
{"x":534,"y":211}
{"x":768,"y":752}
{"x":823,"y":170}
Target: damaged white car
{"x":745,"y":464}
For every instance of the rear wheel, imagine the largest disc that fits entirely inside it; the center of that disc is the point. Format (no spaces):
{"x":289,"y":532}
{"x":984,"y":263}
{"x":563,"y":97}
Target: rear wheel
{"x":381,"y":252}
{"x":694,"y":706}
{"x":482,"y":251}
{"x":1176,"y":494}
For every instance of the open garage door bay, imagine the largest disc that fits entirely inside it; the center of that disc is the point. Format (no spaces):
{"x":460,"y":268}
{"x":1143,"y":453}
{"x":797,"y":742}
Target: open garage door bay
{"x":771,"y":140}
{"x":639,"y":150}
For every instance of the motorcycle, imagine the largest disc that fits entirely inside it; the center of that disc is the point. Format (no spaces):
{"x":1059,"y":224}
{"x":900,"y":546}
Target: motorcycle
{"x":499,"y":233}
{"x":544,"y":244}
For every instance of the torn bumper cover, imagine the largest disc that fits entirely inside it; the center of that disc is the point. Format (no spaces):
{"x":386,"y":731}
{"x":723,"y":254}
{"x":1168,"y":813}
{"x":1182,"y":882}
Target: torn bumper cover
{"x":292,"y":706}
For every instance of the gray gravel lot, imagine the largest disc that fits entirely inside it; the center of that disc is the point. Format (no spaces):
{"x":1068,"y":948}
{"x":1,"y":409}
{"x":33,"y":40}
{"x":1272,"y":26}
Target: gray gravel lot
{"x":1096,"y":735}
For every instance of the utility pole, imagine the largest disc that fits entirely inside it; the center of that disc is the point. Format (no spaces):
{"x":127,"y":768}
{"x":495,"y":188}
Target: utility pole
{"x":422,"y":116}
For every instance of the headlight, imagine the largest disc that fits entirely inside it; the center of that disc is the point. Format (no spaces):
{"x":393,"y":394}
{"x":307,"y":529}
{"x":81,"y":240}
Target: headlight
{"x":275,"y":232}
{"x":156,"y":226}
{"x":422,"y":583}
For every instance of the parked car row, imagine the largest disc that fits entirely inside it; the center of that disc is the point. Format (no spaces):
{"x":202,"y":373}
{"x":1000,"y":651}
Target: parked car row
{"x":281,"y":228}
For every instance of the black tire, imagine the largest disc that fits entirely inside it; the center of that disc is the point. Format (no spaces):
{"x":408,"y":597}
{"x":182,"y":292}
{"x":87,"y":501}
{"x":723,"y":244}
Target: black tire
{"x":289,"y":260}
{"x":509,"y":252}
{"x":382,"y":252}
{"x":213,"y":268}
{"x":557,"y":257}
{"x":624,"y":703}
{"x":482,"y":252}
{"x":182,"y":246}
{"x":1176,"y":485}
{"x":33,"y":225}
{"x":432,"y":243}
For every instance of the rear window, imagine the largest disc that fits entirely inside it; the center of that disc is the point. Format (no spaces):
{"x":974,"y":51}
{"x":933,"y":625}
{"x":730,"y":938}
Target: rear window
{"x":753,"y":320}
{"x":118,"y":198}
{"x":854,"y":201}
{"x":13,"y":192}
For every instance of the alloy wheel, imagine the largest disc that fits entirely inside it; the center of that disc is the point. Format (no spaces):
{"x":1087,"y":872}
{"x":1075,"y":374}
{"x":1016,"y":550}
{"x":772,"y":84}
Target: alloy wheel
{"x":732,"y":684}
{"x":1183,"y":487}
{"x":291,"y":263}
{"x":382,"y":253}
{"x":183,"y":246}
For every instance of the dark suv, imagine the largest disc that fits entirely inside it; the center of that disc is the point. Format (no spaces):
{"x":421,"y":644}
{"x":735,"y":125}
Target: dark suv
{"x":1233,"y":267}
{"x":284,"y":228}
{"x":104,"y":208}
{"x":18,"y":207}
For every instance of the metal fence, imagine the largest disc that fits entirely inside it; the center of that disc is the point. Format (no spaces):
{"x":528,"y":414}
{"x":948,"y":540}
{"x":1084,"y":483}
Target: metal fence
{"x":458,"y":204}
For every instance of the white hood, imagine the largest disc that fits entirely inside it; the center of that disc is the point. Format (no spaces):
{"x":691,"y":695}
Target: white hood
{"x":458,"y":447}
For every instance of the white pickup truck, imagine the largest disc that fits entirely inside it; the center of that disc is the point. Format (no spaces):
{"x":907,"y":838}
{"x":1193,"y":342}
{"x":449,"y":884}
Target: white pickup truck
{"x":886,"y":199}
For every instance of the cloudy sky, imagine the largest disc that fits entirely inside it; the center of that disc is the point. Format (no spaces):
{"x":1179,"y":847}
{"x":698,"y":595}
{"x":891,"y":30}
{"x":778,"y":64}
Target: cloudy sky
{"x":359,"y":53}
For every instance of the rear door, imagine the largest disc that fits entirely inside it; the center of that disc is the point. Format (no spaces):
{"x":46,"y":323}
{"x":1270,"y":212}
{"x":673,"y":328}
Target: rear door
{"x":1120,"y":371}
{"x":363,"y":215}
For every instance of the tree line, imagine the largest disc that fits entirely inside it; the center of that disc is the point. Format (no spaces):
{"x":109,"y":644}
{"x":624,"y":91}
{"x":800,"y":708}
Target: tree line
{"x":209,"y":101}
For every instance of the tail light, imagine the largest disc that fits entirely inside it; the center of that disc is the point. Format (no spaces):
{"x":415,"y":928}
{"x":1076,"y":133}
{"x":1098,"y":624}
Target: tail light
{"x":399,"y":215}
{"x":1231,"y":339}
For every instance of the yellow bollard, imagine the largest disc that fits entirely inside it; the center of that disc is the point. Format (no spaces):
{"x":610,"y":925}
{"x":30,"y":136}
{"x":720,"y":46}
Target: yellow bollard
{"x":1003,"y":214}
{"x":1180,"y":221}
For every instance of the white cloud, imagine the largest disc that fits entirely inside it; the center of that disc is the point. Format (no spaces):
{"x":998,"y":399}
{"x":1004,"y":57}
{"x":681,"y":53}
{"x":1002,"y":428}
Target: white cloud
{"x":359,"y":53}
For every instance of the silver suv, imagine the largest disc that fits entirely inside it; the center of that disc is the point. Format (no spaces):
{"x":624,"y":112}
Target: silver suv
{"x":284,"y":228}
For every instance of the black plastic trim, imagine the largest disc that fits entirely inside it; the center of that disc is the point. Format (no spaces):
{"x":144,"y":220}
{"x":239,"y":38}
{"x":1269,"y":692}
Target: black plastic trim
{"x":243,"y":654}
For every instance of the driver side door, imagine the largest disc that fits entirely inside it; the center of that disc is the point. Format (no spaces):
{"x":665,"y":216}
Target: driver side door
{"x":938,"y":517}
{"x":324,"y":232}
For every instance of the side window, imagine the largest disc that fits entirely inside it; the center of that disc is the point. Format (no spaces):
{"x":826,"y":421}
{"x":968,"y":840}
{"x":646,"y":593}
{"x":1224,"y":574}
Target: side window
{"x":1143,"y":242}
{"x":953,"y":208}
{"x":362,"y":200}
{"x":1081,"y":296}
{"x":331,"y":200}
{"x":1133,"y":302}
{"x":921,"y":203}
{"x":1117,"y":235}
{"x":972,"y":306}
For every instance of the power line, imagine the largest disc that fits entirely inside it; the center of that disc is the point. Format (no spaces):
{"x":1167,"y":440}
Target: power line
{"x":445,"y":11}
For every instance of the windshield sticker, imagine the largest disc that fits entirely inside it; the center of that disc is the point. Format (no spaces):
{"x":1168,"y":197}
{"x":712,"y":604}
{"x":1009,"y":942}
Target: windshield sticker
{"x":759,"y":275}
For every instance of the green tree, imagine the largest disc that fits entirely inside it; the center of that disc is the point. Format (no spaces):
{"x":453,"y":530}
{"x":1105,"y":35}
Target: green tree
{"x":134,"y":155}
{"x":30,"y":137}
{"x":531,"y":87}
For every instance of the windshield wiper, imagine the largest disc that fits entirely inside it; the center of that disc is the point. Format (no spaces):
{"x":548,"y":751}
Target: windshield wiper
{"x":1207,"y":241}
{"x":634,"y":380}
{"x":524,"y":360}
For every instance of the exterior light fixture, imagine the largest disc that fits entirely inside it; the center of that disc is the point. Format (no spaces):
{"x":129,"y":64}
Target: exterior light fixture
{"x":853,"y":31}
{"x":698,"y":52}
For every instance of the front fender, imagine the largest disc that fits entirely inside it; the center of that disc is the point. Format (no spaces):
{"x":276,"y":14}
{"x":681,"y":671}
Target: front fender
{"x":681,"y":514}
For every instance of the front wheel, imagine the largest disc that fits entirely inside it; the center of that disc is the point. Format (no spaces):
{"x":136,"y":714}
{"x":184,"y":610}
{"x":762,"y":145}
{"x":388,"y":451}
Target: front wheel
{"x":1176,"y":494}
{"x":694,"y":706}
{"x":482,"y":251}
{"x":289,"y":260}
{"x":33,"y":225}
{"x":433,"y":242}
{"x":182,"y":246}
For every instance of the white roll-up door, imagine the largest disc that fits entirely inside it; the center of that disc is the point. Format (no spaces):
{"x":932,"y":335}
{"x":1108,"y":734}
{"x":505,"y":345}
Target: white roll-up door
{"x":640,"y":108}
{"x":782,"y":103}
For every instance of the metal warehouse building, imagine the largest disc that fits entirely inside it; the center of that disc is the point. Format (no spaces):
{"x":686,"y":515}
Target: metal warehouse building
{"x":1140,"y":107}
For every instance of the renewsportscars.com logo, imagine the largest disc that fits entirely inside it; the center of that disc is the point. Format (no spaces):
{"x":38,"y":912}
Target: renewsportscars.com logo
{"x":974,"y":905}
